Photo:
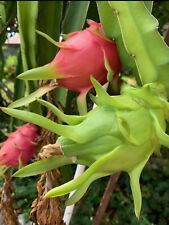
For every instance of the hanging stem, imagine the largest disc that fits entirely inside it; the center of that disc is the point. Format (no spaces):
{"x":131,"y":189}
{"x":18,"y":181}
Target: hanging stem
{"x":106,"y":197}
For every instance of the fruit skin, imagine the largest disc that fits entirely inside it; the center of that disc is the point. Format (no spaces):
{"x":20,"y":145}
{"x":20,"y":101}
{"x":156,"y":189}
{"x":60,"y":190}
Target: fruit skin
{"x":20,"y":146}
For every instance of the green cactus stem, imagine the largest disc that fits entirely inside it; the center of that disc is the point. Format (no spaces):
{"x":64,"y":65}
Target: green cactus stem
{"x":143,"y":41}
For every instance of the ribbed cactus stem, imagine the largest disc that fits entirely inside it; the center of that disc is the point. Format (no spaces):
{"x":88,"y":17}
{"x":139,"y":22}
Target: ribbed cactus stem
{"x":143,"y":41}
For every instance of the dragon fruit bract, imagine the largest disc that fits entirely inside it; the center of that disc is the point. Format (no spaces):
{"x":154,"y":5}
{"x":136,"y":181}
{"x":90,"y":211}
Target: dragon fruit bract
{"x":20,"y":146}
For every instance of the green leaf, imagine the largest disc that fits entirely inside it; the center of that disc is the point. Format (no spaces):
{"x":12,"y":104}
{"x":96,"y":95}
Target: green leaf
{"x":32,"y":97}
{"x":43,"y":166}
{"x":27,"y":12}
{"x":75,"y":16}
{"x":19,"y":90}
{"x":2,"y":13}
{"x":49,"y":22}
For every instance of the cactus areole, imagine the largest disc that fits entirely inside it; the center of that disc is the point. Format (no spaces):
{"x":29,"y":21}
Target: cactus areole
{"x":83,"y":54}
{"x":20,"y":146}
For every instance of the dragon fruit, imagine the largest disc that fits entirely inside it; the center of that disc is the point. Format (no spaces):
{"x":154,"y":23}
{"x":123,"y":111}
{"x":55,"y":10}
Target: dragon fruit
{"x":83,"y":54}
{"x":20,"y":146}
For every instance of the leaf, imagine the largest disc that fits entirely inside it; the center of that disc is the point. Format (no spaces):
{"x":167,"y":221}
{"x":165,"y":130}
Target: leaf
{"x":75,"y":16}
{"x":49,"y":22}
{"x":32,"y":97}
{"x":43,"y":166}
{"x":2,"y":13}
{"x":27,"y":12}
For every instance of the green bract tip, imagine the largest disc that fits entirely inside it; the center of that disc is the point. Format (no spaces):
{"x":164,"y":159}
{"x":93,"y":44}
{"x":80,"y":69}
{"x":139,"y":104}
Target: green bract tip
{"x":40,"y":73}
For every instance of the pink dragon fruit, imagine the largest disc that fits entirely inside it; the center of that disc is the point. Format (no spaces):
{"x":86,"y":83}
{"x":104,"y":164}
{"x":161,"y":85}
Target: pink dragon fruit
{"x":81,"y":56}
{"x":20,"y":146}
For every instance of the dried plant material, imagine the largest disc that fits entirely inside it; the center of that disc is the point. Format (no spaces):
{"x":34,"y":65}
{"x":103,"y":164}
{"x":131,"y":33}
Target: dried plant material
{"x":8,"y":214}
{"x":46,"y":211}
{"x":50,"y":150}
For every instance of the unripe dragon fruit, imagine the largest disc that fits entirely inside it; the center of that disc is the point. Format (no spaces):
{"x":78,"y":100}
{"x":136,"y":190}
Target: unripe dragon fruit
{"x":20,"y":146}
{"x":120,"y":134}
{"x":83,"y":54}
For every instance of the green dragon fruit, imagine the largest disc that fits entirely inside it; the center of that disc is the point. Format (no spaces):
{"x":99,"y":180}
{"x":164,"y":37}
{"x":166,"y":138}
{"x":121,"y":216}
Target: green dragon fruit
{"x":120,"y":134}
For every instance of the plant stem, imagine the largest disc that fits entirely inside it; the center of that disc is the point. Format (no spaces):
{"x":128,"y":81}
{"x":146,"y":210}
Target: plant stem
{"x":106,"y":197}
{"x":69,"y":209}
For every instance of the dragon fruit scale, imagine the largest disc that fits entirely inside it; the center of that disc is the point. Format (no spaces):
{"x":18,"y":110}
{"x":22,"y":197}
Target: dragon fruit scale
{"x":83,"y":54}
{"x":20,"y":146}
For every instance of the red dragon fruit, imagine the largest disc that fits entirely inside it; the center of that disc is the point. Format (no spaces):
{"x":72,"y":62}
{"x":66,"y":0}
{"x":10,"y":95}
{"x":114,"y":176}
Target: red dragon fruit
{"x":82,"y":55}
{"x":20,"y":146}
